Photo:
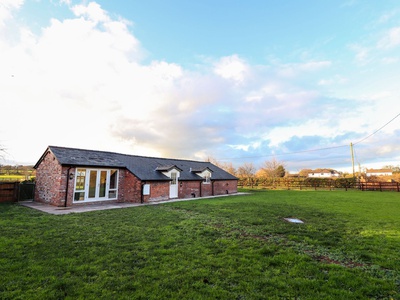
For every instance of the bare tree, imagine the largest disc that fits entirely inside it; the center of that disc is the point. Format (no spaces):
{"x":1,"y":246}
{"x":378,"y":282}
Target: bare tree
{"x":228,"y":167}
{"x":273,"y":169}
{"x":246,"y":171}
{"x":393,"y":168}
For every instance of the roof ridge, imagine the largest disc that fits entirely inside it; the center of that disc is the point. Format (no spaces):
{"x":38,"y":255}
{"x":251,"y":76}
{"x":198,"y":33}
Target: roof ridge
{"x":130,"y":155}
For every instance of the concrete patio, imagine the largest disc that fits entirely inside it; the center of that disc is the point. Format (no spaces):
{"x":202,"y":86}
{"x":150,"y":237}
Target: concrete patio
{"x":55,"y":210}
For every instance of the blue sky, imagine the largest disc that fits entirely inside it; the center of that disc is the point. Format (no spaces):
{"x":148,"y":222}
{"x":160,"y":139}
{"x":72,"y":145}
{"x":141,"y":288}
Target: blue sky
{"x":238,"y":81}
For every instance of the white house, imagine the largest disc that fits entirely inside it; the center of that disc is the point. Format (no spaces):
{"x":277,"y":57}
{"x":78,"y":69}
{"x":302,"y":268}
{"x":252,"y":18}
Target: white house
{"x":323,"y":173}
{"x":379,"y":172}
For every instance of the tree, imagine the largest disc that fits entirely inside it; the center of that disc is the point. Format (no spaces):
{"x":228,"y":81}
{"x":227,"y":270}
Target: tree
{"x":273,"y":169}
{"x":246,"y":171}
{"x":393,"y":168}
{"x":228,"y":167}
{"x":305,"y":172}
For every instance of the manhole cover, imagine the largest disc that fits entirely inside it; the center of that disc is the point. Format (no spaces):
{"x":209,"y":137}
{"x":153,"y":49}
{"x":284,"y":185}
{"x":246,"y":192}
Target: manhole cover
{"x":293,"y":220}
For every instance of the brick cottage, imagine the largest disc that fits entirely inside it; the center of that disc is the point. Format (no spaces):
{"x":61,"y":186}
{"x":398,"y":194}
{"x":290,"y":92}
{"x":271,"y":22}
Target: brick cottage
{"x":68,"y":176}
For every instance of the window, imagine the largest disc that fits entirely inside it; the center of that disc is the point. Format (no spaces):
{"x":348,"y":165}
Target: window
{"x":146,"y":189}
{"x":173,"y":177}
{"x":80,"y":185}
{"x":96,"y":184}
{"x":112,"y":191}
{"x":207,"y":178}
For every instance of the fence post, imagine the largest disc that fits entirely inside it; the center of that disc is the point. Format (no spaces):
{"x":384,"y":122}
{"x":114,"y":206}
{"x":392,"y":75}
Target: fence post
{"x":16,"y":191}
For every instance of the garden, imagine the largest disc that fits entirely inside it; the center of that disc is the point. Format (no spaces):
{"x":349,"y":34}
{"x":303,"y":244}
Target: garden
{"x":237,"y":247}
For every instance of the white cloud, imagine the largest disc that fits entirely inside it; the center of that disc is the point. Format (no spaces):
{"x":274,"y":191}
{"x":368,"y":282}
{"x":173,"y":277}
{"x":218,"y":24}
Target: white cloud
{"x":391,"y":39}
{"x":390,"y":60}
{"x":292,"y":70}
{"x":231,"y":67}
{"x":92,"y":11}
{"x":81,"y":82}
{"x":6,"y":9}
{"x":362,"y":53}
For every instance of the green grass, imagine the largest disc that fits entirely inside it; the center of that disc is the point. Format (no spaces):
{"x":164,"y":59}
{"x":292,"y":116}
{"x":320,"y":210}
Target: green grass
{"x":223,"y":248}
{"x":12,"y":177}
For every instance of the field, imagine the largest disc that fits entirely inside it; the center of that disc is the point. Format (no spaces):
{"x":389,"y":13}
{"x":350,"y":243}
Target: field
{"x":12,"y":177}
{"x":237,"y":247}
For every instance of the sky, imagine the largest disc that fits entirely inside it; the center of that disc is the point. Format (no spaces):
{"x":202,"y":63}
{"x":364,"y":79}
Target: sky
{"x":235,"y":81}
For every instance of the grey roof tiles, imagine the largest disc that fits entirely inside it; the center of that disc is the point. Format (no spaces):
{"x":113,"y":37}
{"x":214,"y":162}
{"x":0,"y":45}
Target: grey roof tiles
{"x":145,"y":168}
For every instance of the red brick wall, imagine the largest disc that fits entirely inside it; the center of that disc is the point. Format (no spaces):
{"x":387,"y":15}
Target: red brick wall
{"x":48,"y":181}
{"x":222,"y":187}
{"x":187,"y":188}
{"x":159,"y":190}
{"x":51,"y":180}
{"x":206,"y":189}
{"x":71,"y":182}
{"x":201,"y":189}
{"x":129,"y":187}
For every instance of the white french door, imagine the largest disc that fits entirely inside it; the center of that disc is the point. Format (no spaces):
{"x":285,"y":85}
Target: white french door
{"x":97,"y":184}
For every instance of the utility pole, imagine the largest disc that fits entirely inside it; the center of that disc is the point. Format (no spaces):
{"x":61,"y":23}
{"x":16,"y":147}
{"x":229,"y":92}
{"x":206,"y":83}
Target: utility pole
{"x":352,"y":157}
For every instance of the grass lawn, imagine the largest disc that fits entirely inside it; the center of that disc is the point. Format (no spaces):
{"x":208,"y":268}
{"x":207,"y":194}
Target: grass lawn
{"x":12,"y":177}
{"x":223,"y":248}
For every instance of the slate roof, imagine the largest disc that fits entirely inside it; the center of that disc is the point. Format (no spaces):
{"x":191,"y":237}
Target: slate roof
{"x":145,"y":168}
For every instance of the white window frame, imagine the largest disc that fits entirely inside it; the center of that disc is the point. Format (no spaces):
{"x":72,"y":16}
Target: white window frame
{"x":85,"y":191}
{"x":207,"y":176}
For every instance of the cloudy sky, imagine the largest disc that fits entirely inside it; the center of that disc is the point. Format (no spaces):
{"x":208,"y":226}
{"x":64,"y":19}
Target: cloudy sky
{"x":239,"y":81}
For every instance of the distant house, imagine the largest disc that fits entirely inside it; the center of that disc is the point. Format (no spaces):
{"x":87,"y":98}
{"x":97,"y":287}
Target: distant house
{"x":379,"y":172}
{"x":69,"y":176}
{"x":323,"y":173}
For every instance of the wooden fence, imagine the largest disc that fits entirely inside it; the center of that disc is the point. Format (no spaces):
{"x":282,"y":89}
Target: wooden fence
{"x":16,"y":191}
{"x":319,"y":184}
{"x":379,"y":186}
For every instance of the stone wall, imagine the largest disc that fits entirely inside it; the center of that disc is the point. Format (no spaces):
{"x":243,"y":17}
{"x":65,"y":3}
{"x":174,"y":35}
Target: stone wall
{"x":48,"y":180}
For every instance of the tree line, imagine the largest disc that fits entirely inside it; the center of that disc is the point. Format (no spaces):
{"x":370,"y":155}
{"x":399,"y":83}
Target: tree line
{"x":274,"y":170}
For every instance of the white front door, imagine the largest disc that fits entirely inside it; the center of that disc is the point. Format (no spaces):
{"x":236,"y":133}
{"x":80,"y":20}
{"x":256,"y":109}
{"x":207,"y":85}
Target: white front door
{"x":173,"y":186}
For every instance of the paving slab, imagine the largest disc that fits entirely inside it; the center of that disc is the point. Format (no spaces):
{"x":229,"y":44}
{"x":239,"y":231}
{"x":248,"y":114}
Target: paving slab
{"x":55,"y":210}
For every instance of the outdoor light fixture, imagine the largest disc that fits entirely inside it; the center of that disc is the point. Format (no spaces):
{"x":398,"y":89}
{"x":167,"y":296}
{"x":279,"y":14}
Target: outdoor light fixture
{"x":71,"y":176}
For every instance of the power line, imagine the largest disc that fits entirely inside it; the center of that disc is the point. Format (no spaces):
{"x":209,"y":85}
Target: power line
{"x":287,"y":153}
{"x":377,"y":130}
{"x":313,"y":150}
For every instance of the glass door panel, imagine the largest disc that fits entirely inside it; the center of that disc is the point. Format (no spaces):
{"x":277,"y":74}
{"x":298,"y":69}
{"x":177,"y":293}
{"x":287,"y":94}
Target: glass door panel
{"x":92,"y":184}
{"x":103,"y":182}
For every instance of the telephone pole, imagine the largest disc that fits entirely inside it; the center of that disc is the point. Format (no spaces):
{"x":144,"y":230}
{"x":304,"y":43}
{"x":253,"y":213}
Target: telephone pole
{"x":352,"y":157}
